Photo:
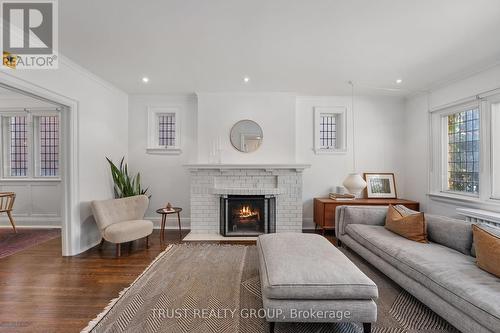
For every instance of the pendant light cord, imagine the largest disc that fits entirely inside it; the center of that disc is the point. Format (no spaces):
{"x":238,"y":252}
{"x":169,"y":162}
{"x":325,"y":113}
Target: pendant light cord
{"x":353,"y":128}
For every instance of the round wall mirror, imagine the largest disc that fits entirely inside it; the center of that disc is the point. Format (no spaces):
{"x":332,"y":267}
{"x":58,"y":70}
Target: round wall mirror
{"x":246,"y":136}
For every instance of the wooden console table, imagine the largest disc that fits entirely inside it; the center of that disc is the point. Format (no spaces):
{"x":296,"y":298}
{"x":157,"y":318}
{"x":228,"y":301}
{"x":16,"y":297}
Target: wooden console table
{"x":324,"y":208}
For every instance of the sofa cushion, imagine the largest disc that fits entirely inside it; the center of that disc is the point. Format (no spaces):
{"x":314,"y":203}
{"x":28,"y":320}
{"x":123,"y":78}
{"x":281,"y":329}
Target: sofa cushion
{"x":308,"y":266}
{"x":448,"y":273}
{"x":453,"y":233}
{"x":487,"y":250}
{"x":127,"y":231}
{"x":372,"y":215}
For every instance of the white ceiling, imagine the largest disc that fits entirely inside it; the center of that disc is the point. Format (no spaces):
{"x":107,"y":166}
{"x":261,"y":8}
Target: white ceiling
{"x":308,"y":47}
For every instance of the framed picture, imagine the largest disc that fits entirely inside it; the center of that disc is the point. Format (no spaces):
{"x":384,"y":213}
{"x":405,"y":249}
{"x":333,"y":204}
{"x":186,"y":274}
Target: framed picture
{"x":380,"y":185}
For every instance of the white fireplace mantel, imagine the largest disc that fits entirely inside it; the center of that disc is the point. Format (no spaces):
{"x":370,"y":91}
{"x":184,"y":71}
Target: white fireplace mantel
{"x":293,"y":166}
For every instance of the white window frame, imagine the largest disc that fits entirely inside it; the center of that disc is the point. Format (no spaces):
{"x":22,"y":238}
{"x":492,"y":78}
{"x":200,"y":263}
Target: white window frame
{"x":495,"y":99}
{"x":340,"y":114}
{"x":438,"y":177}
{"x":33,"y":173}
{"x":154,"y":112}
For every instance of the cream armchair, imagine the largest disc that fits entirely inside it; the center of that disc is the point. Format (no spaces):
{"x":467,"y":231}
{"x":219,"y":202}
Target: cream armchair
{"x":122,"y":220}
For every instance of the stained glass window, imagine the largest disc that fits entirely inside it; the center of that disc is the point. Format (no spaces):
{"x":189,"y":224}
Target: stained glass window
{"x":166,"y":129}
{"x":49,"y":145}
{"x":328,"y":131}
{"x":18,"y":146}
{"x":463,"y":151}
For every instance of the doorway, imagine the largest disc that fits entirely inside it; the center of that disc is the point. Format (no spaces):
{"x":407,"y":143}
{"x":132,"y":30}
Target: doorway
{"x":34,"y":153}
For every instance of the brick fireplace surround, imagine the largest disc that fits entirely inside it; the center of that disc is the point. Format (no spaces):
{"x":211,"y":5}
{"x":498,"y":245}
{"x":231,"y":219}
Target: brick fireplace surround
{"x":210,"y":181}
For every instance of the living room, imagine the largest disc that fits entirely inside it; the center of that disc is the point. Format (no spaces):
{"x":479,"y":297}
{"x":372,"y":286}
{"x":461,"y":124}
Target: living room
{"x":257,"y":166}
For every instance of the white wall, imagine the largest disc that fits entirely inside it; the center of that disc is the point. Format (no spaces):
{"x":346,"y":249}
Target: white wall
{"x":102,"y":131}
{"x":417,"y":136}
{"x":416,"y":152}
{"x":165,"y":175}
{"x":379,"y":133}
{"x":287,"y":122}
{"x":38,"y":203}
{"x":274,"y":112}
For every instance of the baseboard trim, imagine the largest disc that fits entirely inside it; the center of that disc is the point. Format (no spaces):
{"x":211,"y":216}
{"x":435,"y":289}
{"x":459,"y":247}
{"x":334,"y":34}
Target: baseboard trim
{"x":34,"y":226}
{"x":171,"y":222}
{"x":172,"y":227}
{"x":31,"y":222}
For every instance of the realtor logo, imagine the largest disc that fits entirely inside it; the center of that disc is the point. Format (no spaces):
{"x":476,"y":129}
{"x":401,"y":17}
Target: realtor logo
{"x":29,"y":34}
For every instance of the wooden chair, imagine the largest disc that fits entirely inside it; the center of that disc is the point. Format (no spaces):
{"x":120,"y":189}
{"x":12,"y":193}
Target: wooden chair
{"x":6,"y":203}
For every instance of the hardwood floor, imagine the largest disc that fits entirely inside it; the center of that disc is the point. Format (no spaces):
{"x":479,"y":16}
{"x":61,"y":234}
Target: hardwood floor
{"x":41,"y":291}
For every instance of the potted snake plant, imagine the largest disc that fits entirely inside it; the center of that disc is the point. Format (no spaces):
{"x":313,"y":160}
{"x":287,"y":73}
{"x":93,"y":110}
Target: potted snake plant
{"x":125,"y":185}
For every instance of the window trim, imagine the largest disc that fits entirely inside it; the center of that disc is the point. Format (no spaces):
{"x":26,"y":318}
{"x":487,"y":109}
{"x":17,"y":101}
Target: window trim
{"x":494,"y":99}
{"x":444,"y":151}
{"x":153,"y":146}
{"x":340,"y":112}
{"x":437,"y":156}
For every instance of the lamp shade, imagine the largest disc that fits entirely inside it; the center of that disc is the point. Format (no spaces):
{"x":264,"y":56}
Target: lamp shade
{"x":354,"y":183}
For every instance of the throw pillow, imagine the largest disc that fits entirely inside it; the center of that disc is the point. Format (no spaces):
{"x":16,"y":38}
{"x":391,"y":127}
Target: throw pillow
{"x":406,"y":223}
{"x":487,"y":250}
{"x":489,"y":228}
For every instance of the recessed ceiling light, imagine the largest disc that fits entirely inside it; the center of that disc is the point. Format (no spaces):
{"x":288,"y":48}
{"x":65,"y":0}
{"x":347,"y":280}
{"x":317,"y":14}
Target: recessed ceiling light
{"x":246,"y":79}
{"x":399,"y":81}
{"x":145,"y":79}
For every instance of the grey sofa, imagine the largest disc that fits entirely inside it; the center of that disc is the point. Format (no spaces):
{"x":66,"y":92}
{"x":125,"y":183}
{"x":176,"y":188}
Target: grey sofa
{"x":441,"y":274}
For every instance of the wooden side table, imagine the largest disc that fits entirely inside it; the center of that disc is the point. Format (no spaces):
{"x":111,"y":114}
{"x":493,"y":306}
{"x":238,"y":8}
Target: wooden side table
{"x":324,"y":208}
{"x":164,"y":213}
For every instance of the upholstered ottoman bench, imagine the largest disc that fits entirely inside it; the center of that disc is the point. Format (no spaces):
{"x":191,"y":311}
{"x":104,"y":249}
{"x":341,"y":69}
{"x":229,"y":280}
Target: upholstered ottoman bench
{"x":304,"y":278}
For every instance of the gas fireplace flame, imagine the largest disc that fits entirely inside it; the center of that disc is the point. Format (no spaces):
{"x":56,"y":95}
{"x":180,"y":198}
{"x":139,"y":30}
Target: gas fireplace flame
{"x":247,"y":211}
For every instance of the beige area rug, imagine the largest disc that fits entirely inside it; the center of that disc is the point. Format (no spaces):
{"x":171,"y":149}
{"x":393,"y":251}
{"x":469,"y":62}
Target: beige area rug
{"x":204,"y":288}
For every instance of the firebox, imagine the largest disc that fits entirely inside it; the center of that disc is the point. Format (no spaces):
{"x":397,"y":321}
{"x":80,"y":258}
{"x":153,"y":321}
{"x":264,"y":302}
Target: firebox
{"x":247,"y":215}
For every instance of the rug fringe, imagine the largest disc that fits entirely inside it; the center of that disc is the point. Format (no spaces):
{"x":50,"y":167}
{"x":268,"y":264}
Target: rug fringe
{"x":90,"y":326}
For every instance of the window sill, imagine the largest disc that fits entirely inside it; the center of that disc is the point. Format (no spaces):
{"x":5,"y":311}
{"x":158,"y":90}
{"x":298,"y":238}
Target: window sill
{"x":464,"y":199}
{"x":163,"y":151}
{"x":454,"y":197}
{"x":329,"y":151}
{"x":25,"y":180}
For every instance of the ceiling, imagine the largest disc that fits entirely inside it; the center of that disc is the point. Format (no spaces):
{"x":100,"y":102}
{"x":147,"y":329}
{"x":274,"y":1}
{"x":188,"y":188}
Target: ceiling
{"x":309,"y":47}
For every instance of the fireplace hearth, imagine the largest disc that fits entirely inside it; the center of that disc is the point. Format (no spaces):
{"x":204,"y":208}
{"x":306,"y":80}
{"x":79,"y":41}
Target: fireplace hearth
{"x":247,"y":215}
